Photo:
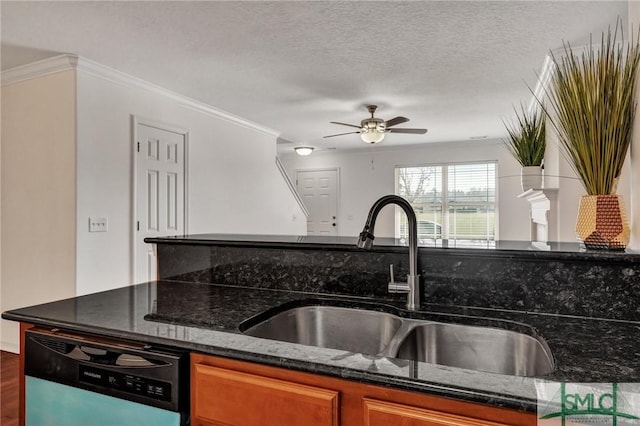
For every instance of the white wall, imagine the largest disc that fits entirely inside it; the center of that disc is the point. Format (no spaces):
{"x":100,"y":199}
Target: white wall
{"x":66,"y":156}
{"x":1,"y":292}
{"x":366,"y":176}
{"x":559,"y":175}
{"x":234,"y":185}
{"x":361,"y":184}
{"x":38,"y":195}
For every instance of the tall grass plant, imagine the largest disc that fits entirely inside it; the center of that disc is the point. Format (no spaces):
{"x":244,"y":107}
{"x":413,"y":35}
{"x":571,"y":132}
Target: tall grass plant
{"x":526,"y":137}
{"x":592,"y":107}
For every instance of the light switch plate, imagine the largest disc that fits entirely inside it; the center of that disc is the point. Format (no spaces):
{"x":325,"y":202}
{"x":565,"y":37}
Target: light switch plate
{"x":97,"y":224}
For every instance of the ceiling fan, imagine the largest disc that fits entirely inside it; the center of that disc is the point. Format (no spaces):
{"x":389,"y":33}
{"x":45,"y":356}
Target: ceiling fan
{"x":372,"y":130}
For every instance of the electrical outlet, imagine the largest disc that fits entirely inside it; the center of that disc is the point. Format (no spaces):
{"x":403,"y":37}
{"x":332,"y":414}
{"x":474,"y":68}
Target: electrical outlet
{"x":97,"y":224}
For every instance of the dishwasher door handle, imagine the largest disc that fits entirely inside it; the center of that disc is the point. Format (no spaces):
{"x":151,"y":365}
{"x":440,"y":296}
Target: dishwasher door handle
{"x":99,"y":356}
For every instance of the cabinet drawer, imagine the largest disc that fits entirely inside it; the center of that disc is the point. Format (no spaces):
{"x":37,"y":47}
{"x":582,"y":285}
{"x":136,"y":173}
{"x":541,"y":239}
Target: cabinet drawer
{"x":381,"y":413}
{"x":227,"y":397}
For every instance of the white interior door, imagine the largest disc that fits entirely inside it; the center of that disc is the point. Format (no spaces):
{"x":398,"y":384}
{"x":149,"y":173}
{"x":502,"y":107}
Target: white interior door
{"x":319,"y":192}
{"x":160,"y":192}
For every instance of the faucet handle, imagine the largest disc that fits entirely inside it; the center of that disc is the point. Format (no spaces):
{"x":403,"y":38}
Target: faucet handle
{"x":395,"y":287}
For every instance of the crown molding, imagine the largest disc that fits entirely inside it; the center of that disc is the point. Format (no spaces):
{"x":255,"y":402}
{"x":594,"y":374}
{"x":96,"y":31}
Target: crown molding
{"x":67,"y":62}
{"x":546,"y":72}
{"x":544,"y":78}
{"x":39,"y":68}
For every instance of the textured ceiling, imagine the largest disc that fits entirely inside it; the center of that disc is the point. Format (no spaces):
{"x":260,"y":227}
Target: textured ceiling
{"x":454,"y":67}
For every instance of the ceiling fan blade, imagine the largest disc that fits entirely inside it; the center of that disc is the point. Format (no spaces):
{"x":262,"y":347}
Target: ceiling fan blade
{"x":345,"y":124}
{"x":340,"y":134}
{"x":413,"y":131}
{"x":395,"y":121}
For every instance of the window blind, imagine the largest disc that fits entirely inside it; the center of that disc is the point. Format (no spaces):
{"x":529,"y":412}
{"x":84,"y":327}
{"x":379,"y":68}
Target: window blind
{"x":451,"y":201}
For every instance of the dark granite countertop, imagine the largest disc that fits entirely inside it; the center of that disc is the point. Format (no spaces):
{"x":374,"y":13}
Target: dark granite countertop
{"x":551,"y":250}
{"x":205,"y":318}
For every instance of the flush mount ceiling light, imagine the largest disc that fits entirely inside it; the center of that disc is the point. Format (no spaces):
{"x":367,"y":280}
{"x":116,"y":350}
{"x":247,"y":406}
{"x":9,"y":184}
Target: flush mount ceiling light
{"x":304,"y":150}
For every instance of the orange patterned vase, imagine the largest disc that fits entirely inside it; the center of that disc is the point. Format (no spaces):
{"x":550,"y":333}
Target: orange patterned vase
{"x":602,"y":223}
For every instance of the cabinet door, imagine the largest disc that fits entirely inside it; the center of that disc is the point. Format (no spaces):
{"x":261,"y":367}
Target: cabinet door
{"x":227,"y":397}
{"x":380,"y":413}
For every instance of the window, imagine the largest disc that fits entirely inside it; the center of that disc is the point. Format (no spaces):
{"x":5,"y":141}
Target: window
{"x":452,"y":201}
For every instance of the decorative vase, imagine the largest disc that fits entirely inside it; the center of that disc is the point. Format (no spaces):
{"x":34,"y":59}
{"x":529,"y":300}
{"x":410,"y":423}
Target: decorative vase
{"x":531,"y":177}
{"x":602,"y":223}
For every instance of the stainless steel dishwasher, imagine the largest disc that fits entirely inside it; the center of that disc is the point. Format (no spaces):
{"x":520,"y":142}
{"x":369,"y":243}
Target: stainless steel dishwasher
{"x":75,"y":379}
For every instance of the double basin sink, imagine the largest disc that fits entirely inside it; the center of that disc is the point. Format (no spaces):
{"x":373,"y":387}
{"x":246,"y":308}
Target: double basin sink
{"x":490,"y":348}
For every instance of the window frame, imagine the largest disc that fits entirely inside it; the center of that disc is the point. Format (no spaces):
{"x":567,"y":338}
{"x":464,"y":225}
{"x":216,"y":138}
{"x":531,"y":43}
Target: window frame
{"x":444,"y":166}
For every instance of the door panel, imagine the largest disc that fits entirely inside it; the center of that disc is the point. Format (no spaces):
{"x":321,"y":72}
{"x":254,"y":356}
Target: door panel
{"x":153,"y":202}
{"x":172,"y":201}
{"x":51,"y":403}
{"x":319,"y":192}
{"x":160,"y":192}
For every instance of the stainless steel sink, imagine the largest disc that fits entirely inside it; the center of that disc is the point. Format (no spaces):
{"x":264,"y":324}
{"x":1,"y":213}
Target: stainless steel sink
{"x":490,"y":349}
{"x":353,"y":330}
{"x":477,"y":348}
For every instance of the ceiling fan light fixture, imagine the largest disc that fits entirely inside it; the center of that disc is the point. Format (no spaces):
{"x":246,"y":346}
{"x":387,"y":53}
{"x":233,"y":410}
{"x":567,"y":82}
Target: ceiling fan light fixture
{"x":372,"y":130}
{"x":304,"y":150}
{"x":371,"y":136}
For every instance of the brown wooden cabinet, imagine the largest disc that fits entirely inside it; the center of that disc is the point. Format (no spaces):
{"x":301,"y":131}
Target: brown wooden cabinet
{"x":383,"y":413}
{"x":228,"y":397}
{"x":234,"y":393}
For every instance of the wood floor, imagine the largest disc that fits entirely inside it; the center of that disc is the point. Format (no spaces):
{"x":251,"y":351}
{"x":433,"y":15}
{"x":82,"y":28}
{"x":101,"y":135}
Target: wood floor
{"x":9,"y":390}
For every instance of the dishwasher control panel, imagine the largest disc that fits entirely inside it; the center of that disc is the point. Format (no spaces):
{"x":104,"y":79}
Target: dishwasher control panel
{"x":136,"y":385}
